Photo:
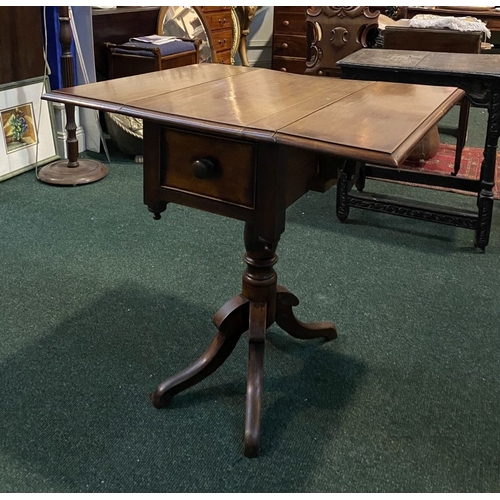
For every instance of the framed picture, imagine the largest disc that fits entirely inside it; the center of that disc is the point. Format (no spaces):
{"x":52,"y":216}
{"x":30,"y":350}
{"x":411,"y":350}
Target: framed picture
{"x":27,"y":127}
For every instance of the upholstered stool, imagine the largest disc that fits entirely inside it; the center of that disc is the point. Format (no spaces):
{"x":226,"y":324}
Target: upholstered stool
{"x":134,"y":57}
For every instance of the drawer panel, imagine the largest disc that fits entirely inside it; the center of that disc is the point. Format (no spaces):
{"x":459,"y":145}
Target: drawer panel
{"x":222,"y":39}
{"x":219,"y":20}
{"x":291,"y":46}
{"x":232,"y":181}
{"x":223,"y":57}
{"x":290,"y":64}
{"x":290,"y":23}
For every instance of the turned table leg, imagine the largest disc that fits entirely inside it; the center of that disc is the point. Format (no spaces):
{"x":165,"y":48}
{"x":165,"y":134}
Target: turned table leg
{"x":488,"y":167}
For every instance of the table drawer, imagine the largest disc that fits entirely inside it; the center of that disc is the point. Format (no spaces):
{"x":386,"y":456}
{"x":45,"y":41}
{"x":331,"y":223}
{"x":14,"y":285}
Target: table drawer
{"x":228,"y":175}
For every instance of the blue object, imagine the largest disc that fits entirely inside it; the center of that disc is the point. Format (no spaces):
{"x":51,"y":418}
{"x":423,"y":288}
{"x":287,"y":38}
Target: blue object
{"x":166,"y":49}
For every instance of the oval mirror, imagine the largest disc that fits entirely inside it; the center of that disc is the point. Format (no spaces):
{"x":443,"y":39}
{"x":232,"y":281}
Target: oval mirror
{"x":186,"y":22}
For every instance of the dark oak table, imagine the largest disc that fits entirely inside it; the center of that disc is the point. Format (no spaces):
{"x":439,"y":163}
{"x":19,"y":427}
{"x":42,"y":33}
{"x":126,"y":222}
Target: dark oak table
{"x":247,"y":143}
{"x":479,"y":76}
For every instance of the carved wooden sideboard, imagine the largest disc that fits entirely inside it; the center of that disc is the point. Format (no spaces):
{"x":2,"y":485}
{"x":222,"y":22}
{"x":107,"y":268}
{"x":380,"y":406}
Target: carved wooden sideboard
{"x":337,"y":32}
{"x":289,"y":39}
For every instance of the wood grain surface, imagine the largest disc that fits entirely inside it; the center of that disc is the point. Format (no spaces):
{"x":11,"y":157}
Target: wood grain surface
{"x":368,"y":121}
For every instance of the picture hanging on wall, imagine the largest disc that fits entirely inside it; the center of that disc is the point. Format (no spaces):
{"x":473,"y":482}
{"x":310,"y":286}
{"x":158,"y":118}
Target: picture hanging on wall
{"x":27,"y":122}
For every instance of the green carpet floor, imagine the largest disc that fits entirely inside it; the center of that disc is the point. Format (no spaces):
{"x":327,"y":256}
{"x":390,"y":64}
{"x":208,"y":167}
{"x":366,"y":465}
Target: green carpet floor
{"x":99,"y":303}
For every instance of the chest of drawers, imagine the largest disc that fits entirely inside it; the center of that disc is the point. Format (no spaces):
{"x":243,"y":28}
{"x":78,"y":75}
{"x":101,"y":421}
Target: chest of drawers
{"x":219,"y":21}
{"x":289,"y":39}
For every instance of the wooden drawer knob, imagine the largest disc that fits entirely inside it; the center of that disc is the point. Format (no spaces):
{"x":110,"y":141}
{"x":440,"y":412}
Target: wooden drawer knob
{"x":204,"y":169}
{"x":286,"y":23}
{"x":284,"y":45}
{"x":283,"y":69}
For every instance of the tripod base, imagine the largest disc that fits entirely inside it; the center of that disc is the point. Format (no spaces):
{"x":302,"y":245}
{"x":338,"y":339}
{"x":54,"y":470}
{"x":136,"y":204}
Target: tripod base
{"x":60,"y":173}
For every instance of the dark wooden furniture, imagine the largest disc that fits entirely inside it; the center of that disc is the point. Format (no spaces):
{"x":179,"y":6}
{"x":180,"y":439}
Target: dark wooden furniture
{"x":433,"y":40}
{"x":22,"y":55}
{"x":439,"y":40}
{"x":336,"y":33}
{"x":289,"y":39}
{"x":250,"y":159}
{"x":118,"y":25}
{"x":479,"y":76}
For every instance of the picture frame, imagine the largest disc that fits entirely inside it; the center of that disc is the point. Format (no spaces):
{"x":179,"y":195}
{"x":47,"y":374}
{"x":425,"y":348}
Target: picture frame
{"x":28,"y":138}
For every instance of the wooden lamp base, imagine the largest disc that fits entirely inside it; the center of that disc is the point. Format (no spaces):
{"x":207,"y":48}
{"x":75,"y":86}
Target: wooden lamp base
{"x":85,"y":172}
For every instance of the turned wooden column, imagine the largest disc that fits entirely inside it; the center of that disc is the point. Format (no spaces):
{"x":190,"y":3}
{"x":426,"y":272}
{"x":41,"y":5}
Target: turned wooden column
{"x":72,"y":171}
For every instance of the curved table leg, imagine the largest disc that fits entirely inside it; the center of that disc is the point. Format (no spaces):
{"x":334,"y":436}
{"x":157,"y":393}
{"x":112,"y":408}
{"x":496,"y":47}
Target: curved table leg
{"x":257,"y":334}
{"x":232,"y":321}
{"x":285,"y":318}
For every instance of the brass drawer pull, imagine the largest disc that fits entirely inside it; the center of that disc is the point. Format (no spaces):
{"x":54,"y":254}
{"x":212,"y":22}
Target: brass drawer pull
{"x":222,"y":21}
{"x":204,"y":169}
{"x":222,"y":42}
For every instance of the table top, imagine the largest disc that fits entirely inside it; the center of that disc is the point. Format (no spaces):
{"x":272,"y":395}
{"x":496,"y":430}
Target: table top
{"x":369,"y":121}
{"x":436,"y":62}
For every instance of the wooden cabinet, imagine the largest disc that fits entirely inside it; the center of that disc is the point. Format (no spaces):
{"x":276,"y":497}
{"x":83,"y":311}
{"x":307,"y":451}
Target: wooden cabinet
{"x":219,"y":22}
{"x":21,"y":42}
{"x":289,"y":39}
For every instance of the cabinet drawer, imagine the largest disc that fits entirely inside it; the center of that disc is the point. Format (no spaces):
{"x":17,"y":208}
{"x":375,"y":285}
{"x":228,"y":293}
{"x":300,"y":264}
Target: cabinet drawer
{"x":291,"y":46}
{"x":232,"y":178}
{"x":290,"y":23}
{"x":222,"y":39}
{"x":219,"y":20}
{"x":223,"y":57}
{"x":290,"y":64}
